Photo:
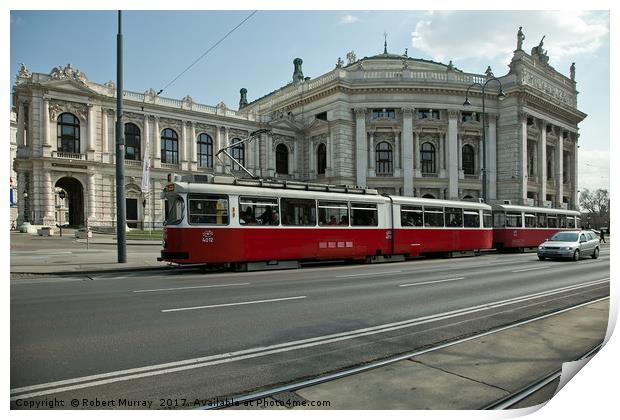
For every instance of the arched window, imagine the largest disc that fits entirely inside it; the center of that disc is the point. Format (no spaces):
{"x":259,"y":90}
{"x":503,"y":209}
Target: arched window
{"x":169,"y":147}
{"x":321,"y":159}
{"x":427,"y":158}
{"x":205,"y":151}
{"x":469,"y":165}
{"x":132,"y":142}
{"x":384,"y":158}
{"x":281,"y":159}
{"x":68,"y":133}
{"x":238,"y":152}
{"x":428,"y":196}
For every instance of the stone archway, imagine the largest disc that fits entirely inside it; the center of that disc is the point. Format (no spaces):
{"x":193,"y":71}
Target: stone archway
{"x":73,"y":201}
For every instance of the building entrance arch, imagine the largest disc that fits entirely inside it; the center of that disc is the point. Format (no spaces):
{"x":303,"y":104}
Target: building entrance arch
{"x":73,"y":202}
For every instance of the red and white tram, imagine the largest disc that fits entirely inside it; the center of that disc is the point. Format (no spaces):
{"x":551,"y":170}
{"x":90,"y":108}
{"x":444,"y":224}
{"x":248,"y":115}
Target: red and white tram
{"x":520,"y":227}
{"x":224,"y":220}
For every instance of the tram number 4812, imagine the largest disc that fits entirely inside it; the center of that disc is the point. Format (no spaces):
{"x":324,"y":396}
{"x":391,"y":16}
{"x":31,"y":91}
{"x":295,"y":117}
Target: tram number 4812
{"x":207,"y":237}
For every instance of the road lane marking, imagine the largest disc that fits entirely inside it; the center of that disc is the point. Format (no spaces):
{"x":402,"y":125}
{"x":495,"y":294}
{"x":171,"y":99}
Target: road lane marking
{"x":232,"y":304}
{"x":190,"y":287}
{"x":430,"y":282}
{"x":194,"y":363}
{"x":369,"y":274}
{"x":530,"y":269}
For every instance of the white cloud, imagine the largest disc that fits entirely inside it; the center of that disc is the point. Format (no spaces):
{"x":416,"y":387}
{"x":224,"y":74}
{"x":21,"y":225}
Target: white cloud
{"x":492,"y":35}
{"x":347,"y":19}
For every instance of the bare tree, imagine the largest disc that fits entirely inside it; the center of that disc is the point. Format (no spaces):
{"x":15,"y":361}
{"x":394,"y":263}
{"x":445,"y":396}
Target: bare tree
{"x":595,"y":207}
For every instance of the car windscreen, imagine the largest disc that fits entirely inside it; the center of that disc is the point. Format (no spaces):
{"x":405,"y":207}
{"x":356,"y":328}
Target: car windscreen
{"x":564,"y":237}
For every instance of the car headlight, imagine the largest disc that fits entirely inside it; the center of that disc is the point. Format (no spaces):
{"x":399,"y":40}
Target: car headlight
{"x":541,"y":247}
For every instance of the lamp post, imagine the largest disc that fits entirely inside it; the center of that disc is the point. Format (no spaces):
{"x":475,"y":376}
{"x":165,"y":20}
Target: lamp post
{"x":26,"y":208}
{"x":500,"y":96}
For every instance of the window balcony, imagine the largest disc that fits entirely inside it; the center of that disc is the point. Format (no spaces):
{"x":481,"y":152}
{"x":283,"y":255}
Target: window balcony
{"x":170,"y":165}
{"x":133,"y":163}
{"x":66,"y":155}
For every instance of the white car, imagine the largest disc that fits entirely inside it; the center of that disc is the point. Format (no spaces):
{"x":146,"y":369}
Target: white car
{"x":570,"y":244}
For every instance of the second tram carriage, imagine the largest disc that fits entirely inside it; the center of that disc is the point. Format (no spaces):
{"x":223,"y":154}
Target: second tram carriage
{"x":520,"y":227}
{"x":223,"y":220}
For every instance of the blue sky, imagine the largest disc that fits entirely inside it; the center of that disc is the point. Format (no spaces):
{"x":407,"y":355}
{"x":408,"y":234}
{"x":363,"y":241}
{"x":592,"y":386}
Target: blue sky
{"x":159,"y":45}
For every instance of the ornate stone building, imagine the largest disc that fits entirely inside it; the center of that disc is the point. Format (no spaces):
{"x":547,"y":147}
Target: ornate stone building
{"x":387,"y":121}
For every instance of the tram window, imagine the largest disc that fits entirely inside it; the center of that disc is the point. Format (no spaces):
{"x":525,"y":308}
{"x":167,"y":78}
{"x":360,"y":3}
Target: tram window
{"x":454,"y":217}
{"x":471,"y":219}
{"x":552,"y":221}
{"x":542,"y":220}
{"x":208,"y":209}
{"x":530,"y":220}
{"x":257,"y":211}
{"x":562,"y":221}
{"x":513,"y":220}
{"x":333,"y":213}
{"x":577,"y":222}
{"x":499,"y":219}
{"x":298,"y":212}
{"x":363,"y":214}
{"x":570,"y":222}
{"x":411,"y":216}
{"x":487,"y":219}
{"x":175,"y":207}
{"x":433,"y":216}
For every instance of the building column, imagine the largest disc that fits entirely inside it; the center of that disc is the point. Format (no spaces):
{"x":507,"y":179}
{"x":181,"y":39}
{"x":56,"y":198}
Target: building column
{"x":193,"y":147}
{"x":217,"y":163}
{"x":257,"y":164}
{"x":183,"y":146}
{"x":559,"y":170}
{"x":312,"y":164}
{"x":48,"y":198}
{"x":574,"y":172}
{"x":459,"y":154}
{"x":442,"y":154}
{"x":491,"y":165}
{"x":361,"y":150}
{"x":157,"y":151}
{"x":409,"y":152}
{"x":372,"y":158}
{"x":452,"y":149}
{"x":22,"y":187}
{"x":293,"y":171}
{"x":542,"y":163}
{"x":104,"y":136}
{"x":45,"y":120}
{"x":21,"y":135}
{"x":329,"y":149}
{"x":397,"y":148}
{"x":271,"y":158}
{"x":90,"y":153}
{"x":523,"y":158}
{"x":416,"y":154}
{"x":91,"y":199}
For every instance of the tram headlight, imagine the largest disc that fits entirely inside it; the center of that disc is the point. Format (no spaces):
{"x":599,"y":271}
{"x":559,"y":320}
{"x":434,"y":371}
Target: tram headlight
{"x":163,"y":243}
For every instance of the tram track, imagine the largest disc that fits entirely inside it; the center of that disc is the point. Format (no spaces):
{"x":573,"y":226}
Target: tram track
{"x":503,"y":403}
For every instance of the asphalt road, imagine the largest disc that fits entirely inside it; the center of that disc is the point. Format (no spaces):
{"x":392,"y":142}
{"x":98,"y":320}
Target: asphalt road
{"x":191,"y":335}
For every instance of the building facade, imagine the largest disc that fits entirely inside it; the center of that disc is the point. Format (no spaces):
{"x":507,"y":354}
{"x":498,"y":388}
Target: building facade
{"x":386,"y":121}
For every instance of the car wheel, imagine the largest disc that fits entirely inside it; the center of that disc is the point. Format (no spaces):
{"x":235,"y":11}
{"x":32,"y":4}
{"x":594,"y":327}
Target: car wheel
{"x":542,"y":258}
{"x":595,"y":253}
{"x":576,"y":255}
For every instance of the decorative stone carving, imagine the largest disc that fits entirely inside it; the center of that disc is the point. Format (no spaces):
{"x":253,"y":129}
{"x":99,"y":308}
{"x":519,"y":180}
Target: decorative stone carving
{"x":539,"y":53}
{"x":339,"y":63}
{"x":68,"y":73}
{"x":572,"y":72}
{"x":149,"y":95}
{"x":453,"y":113}
{"x":450,"y":66}
{"x":57,"y":108}
{"x":243,"y":99}
{"x":110,"y":86}
{"x":520,"y":39}
{"x":23,"y":71}
{"x":298,"y":74}
{"x":562,"y":95}
{"x":489,"y":72}
{"x":351,"y":58}
{"x":186,"y":102}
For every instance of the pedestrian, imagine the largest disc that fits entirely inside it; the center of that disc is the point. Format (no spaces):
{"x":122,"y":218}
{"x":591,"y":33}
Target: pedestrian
{"x":603,"y":236}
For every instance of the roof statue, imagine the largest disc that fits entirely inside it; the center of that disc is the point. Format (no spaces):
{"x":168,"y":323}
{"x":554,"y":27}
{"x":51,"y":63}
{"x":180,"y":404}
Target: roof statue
{"x":339,"y":63}
{"x":520,"y":38}
{"x":489,"y":72}
{"x":539,"y":53}
{"x":243,"y":100}
{"x":23,"y":71}
{"x":572,"y":72}
{"x":351,"y":58}
{"x":298,"y":74}
{"x":385,"y":43}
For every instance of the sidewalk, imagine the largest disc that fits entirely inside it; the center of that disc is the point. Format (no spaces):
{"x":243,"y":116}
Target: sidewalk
{"x":32,"y":254}
{"x":464,"y":376}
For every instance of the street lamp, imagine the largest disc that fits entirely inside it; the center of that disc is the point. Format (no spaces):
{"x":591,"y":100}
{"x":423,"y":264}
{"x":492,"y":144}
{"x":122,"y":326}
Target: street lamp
{"x":500,"y":96}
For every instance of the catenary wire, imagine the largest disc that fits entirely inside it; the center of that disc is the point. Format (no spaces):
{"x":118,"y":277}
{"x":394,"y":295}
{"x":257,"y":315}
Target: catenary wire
{"x":207,"y":51}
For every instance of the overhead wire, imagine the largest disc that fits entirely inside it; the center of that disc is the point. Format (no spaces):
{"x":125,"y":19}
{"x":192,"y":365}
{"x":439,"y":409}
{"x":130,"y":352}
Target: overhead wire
{"x":208,"y":51}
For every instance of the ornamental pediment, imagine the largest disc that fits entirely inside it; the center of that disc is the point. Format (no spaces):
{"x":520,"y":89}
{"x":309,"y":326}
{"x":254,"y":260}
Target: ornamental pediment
{"x":70,"y":86}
